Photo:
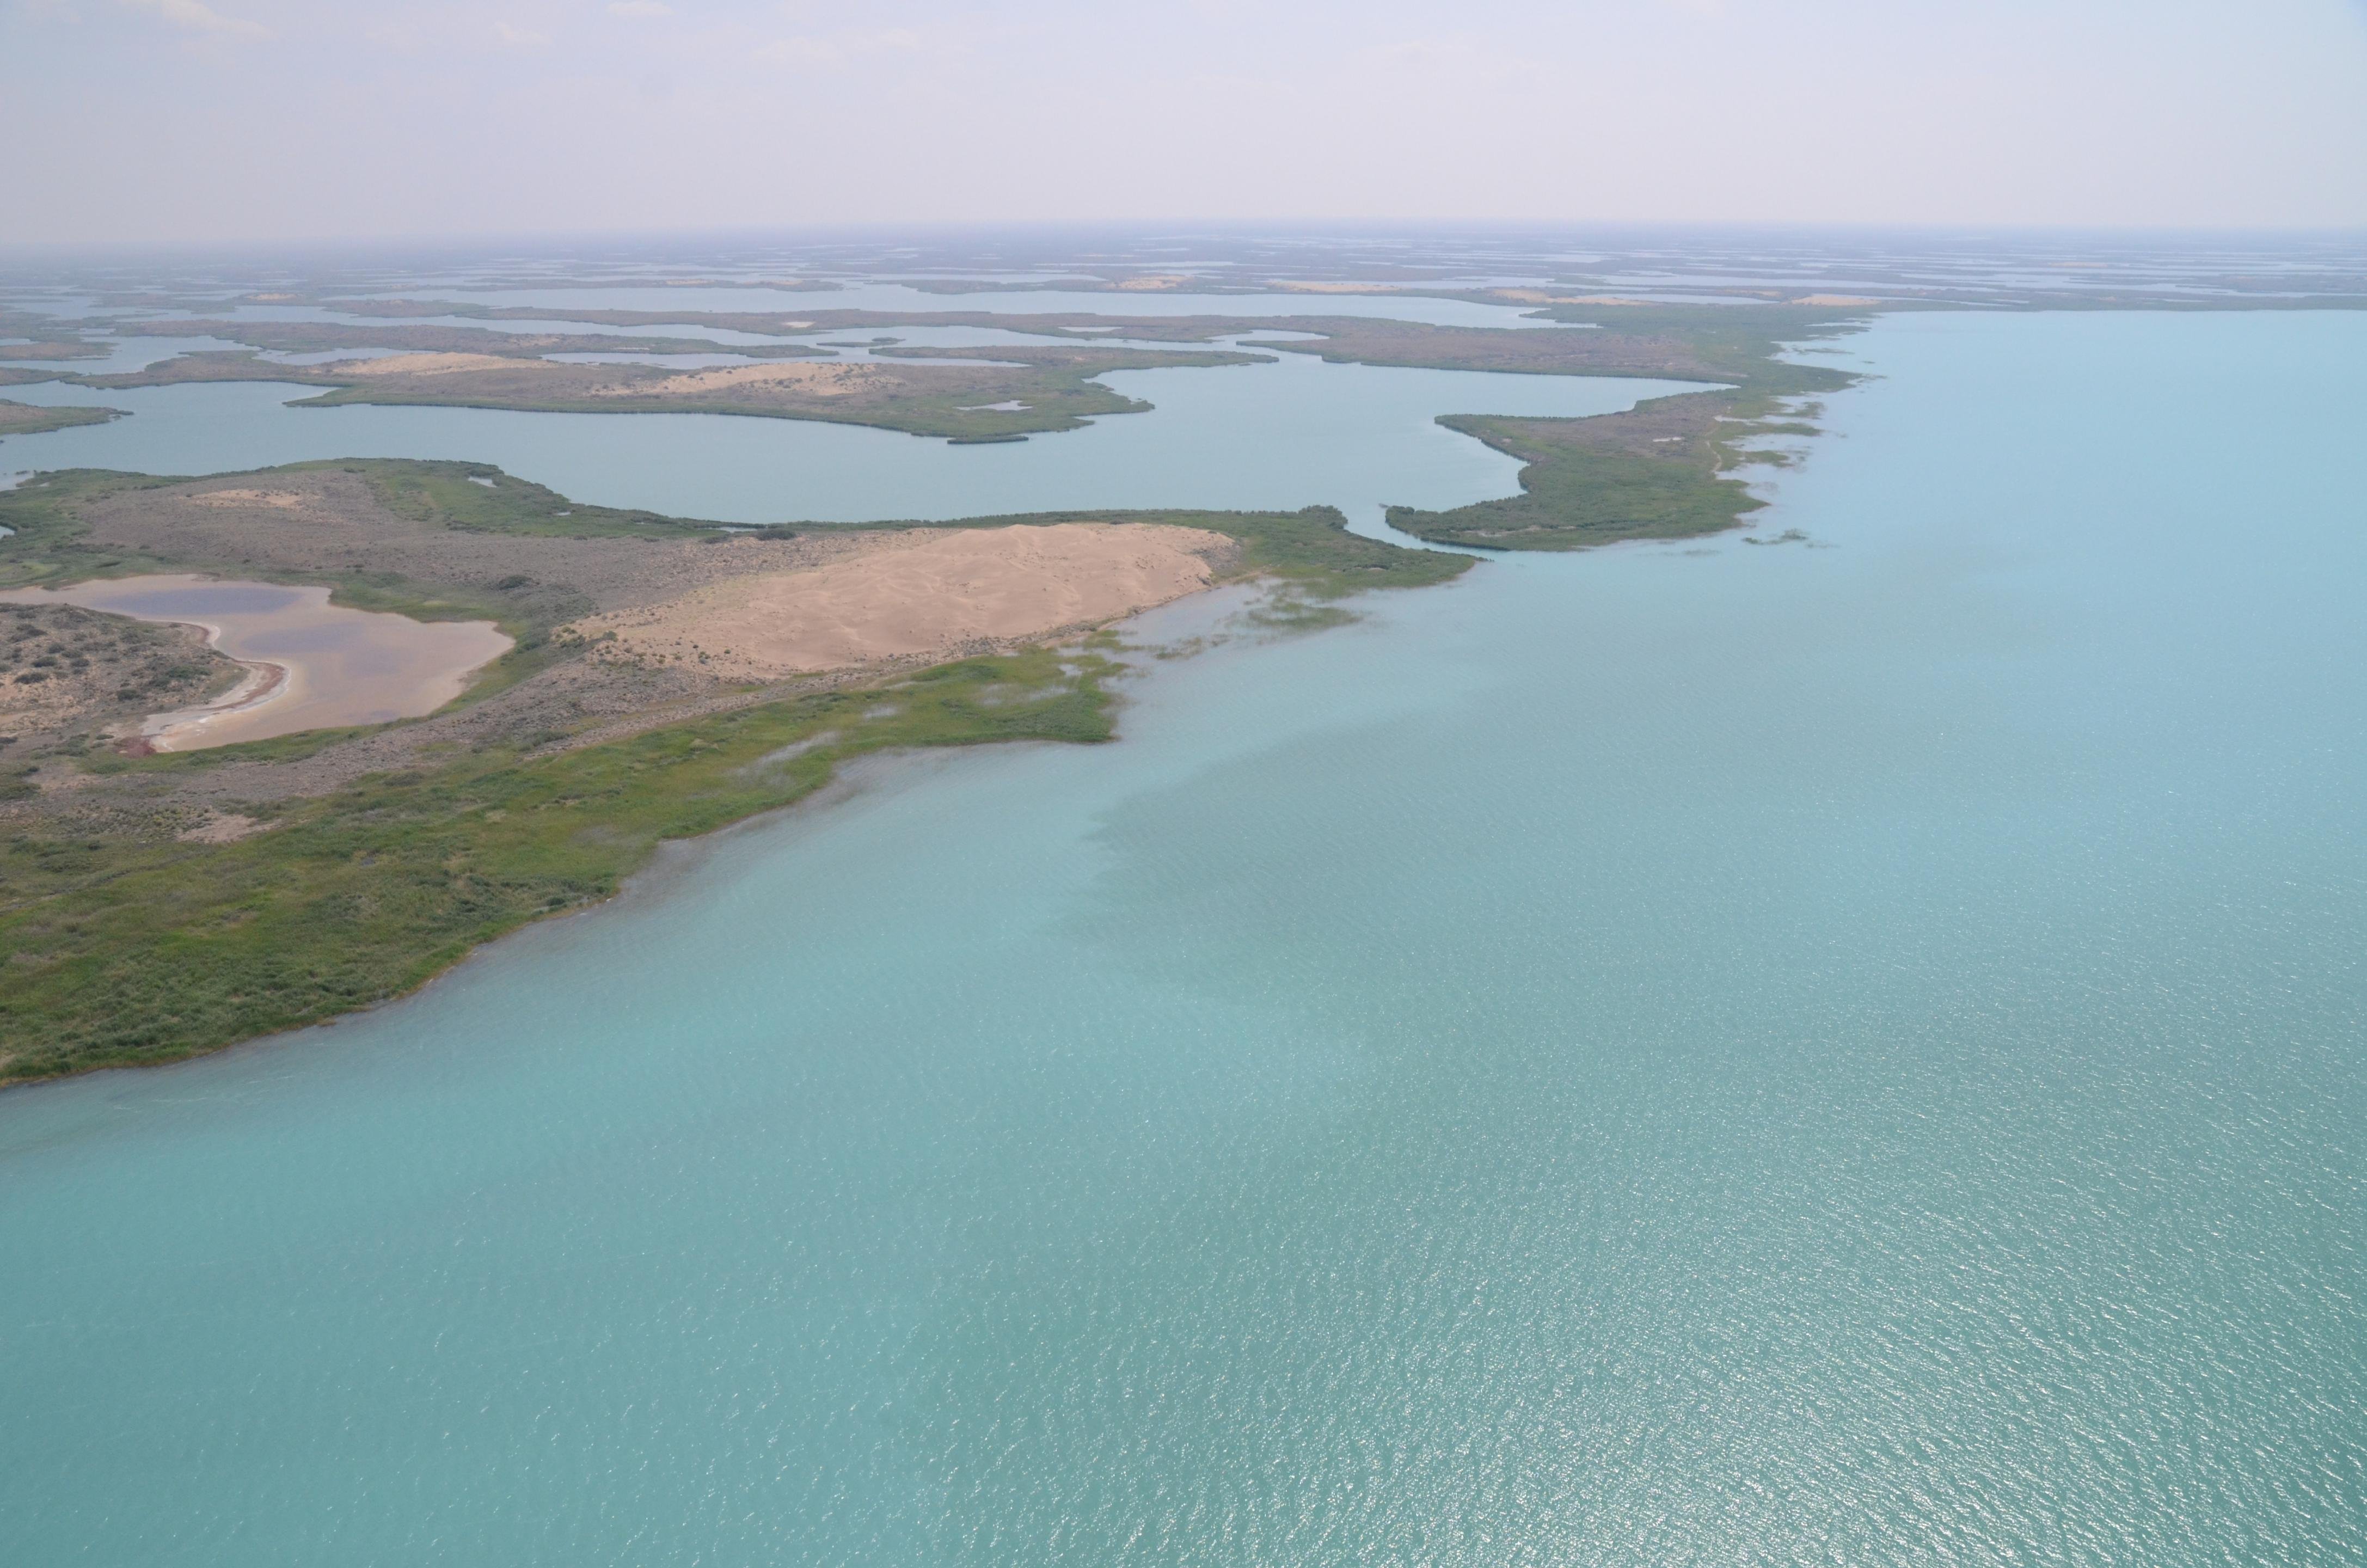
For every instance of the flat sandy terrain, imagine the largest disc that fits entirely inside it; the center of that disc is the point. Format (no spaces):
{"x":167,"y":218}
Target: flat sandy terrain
{"x":826,"y":380}
{"x":924,"y":595}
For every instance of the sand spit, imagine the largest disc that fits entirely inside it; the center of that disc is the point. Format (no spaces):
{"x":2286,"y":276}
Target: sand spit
{"x":934,"y":593}
{"x":310,"y":665}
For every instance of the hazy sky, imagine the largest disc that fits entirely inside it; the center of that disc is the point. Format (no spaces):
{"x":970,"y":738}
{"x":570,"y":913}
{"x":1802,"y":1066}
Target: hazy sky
{"x":214,"y":119}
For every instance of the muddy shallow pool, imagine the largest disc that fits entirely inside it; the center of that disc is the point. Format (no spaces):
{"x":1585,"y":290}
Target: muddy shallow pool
{"x":310,"y":665}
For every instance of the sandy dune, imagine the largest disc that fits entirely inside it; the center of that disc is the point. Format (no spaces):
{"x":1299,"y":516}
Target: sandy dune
{"x":931,"y":594}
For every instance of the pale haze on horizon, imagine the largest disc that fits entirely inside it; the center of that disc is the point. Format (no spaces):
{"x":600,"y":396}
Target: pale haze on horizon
{"x":229,"y":121}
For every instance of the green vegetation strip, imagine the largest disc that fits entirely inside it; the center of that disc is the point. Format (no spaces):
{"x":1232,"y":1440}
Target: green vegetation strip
{"x":1663,"y":470}
{"x":126,"y":946}
{"x":30,"y":419}
{"x":121,"y":952}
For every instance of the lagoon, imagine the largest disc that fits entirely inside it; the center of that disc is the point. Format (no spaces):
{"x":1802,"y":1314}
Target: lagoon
{"x":1718,"y":1053}
{"x":310,"y":665}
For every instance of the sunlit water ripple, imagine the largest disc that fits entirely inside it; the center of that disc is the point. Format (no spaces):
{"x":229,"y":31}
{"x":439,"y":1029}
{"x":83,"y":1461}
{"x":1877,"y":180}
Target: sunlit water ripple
{"x":1784,"y":1055}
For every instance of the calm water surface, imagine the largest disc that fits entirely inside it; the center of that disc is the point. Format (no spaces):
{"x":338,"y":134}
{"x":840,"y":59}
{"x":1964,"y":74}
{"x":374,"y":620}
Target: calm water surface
{"x":1841,"y":1056}
{"x":1291,"y":434}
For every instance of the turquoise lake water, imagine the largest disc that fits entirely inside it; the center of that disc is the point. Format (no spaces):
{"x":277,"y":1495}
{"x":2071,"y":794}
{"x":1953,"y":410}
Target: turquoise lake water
{"x":1839,"y":1055}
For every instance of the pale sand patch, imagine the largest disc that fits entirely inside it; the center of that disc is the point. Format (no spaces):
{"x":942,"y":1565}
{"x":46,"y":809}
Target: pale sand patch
{"x":1544,"y":297}
{"x":283,"y":500}
{"x":1154,"y":281}
{"x":422,"y":365}
{"x":1835,"y":299}
{"x":1302,"y":286}
{"x":835,"y":380}
{"x":931,"y":594}
{"x":221,"y":827}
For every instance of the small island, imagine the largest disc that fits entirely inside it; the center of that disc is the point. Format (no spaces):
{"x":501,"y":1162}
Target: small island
{"x":31,"y":419}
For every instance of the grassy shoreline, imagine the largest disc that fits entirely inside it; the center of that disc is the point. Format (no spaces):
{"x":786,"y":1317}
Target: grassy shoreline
{"x":125,"y":942}
{"x":145,"y":953}
{"x":34,"y":419}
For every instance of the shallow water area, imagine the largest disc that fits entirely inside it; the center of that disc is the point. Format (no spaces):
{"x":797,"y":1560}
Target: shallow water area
{"x":312,"y":665}
{"x":1701,"y":1054}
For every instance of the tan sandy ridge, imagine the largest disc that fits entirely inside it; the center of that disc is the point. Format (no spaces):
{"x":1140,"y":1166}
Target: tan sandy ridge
{"x":934,"y":593}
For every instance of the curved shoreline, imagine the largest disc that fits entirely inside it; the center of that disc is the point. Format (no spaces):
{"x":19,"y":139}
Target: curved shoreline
{"x":310,"y":665}
{"x":263,"y":684}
